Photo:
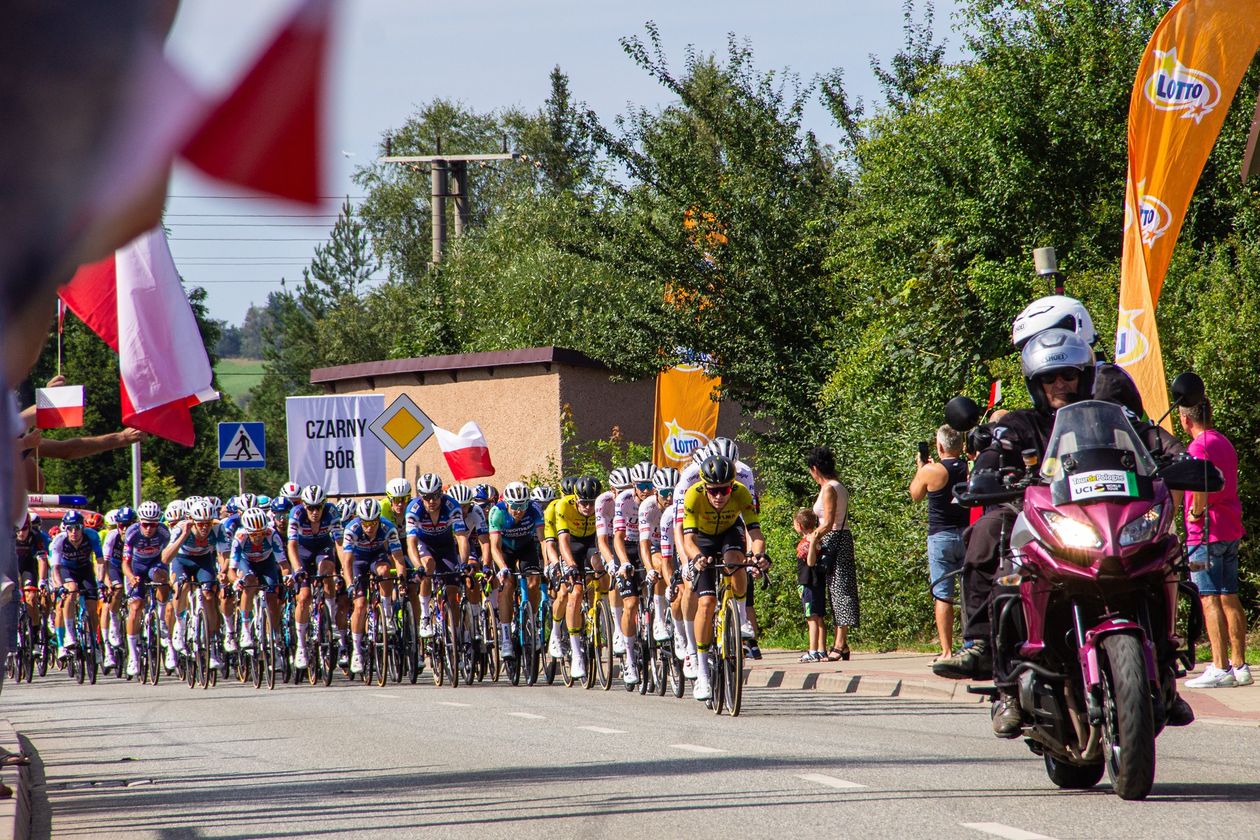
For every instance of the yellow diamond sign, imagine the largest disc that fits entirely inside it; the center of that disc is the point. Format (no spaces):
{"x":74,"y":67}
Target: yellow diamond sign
{"x":402,"y":427}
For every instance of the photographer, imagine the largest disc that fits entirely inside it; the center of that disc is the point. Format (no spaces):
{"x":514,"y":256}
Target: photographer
{"x":934,"y":481}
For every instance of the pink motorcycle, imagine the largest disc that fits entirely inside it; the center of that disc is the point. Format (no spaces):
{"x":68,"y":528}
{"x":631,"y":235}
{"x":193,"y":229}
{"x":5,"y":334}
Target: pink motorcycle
{"x":1085,"y":606}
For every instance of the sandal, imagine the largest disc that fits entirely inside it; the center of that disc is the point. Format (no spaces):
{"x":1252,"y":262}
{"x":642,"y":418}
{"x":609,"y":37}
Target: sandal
{"x":844,"y":653}
{"x":836,"y":654}
{"x":15,"y":760}
{"x":807,"y":657}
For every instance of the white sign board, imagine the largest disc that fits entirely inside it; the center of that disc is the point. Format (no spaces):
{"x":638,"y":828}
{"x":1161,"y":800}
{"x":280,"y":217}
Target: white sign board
{"x":330,"y":444}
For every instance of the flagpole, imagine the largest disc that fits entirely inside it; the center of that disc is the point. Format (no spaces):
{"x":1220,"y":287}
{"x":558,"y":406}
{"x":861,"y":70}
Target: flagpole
{"x":61,"y":315}
{"x":135,"y":476}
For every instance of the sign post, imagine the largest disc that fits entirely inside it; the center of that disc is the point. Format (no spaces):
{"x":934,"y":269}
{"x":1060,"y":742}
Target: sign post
{"x":242,"y":446}
{"x":403,"y":428}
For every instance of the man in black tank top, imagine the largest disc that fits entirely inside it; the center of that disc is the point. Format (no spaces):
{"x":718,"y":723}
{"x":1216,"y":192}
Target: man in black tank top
{"x":935,"y":481}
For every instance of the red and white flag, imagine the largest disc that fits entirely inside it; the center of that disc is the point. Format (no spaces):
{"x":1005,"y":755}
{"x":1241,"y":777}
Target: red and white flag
{"x":466,"y":453}
{"x":995,"y":394}
{"x":60,"y":407}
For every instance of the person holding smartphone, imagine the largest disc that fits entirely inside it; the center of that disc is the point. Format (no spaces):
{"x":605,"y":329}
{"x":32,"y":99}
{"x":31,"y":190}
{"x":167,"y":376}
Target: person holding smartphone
{"x":934,"y":480}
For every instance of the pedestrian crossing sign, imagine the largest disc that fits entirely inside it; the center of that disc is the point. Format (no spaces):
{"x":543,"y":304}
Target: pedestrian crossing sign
{"x":242,"y":446}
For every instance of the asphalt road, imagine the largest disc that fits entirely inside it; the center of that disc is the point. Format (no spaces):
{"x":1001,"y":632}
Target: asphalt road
{"x":123,"y":760}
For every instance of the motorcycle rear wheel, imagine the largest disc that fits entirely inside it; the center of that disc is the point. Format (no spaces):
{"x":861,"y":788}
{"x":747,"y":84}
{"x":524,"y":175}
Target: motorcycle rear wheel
{"x":1074,"y":776}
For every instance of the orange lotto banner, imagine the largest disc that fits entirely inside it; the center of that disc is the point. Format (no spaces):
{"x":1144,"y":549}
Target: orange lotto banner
{"x":686,"y":414}
{"x":1188,"y":76}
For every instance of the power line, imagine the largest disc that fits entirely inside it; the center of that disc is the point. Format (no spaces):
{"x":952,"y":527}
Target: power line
{"x":244,"y":239}
{"x":266,"y":197}
{"x":252,"y":224}
{"x":251,"y":215}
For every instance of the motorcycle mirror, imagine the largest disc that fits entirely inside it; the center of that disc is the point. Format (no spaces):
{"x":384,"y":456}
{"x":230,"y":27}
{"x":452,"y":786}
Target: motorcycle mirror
{"x":962,"y":413}
{"x":1192,"y":475}
{"x":1187,"y":390}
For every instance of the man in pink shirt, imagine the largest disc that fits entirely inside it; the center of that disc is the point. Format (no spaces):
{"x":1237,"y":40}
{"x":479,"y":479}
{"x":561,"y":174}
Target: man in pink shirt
{"x":1213,"y":530}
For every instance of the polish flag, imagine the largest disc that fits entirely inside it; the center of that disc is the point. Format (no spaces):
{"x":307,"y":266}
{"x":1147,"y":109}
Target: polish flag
{"x":466,"y":452}
{"x":135,"y":302}
{"x":995,"y":394}
{"x":59,"y":408}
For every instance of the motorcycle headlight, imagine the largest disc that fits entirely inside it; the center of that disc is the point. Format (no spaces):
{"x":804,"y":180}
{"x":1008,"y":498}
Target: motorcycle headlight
{"x":1143,"y":528}
{"x":1071,"y":532}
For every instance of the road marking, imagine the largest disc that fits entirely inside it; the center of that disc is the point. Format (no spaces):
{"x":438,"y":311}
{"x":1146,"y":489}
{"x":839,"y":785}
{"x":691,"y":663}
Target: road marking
{"x":602,"y":730}
{"x":696,"y":748}
{"x":1005,"y":831}
{"x":829,"y":781}
{"x":526,"y":715}
{"x":454,"y":705}
{"x":390,"y":696}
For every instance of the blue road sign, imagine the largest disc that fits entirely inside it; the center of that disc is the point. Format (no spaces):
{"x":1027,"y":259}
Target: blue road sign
{"x":242,"y":446}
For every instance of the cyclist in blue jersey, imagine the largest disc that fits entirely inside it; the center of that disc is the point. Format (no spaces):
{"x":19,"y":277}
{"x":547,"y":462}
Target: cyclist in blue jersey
{"x":278,"y":516}
{"x":516,"y":535}
{"x":437,"y":540}
{"x":478,"y":550}
{"x":74,"y":553}
{"x":112,"y":577}
{"x":367,"y":547}
{"x":142,"y":562}
{"x":198,"y":550}
{"x":314,"y":531}
{"x":227,"y":593}
{"x":258,"y":554}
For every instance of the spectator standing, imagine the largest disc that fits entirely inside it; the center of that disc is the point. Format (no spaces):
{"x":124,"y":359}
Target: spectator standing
{"x":934,"y":481}
{"x":1213,"y":530}
{"x":835,"y":548}
{"x":811,"y":584}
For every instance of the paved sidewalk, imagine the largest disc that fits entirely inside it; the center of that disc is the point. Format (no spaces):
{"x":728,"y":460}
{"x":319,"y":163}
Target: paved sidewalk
{"x":909,"y":674}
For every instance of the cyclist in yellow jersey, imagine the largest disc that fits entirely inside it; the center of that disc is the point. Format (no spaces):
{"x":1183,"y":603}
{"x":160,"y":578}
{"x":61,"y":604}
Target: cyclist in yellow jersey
{"x":551,"y":568}
{"x":719,"y":520}
{"x":579,"y":553}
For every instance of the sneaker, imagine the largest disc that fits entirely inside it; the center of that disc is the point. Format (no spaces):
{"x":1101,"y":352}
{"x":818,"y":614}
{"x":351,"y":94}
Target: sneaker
{"x":1242,"y":675}
{"x":702,"y":690}
{"x":247,"y":636}
{"x":343,"y":656}
{"x":108,"y":660}
{"x":680,"y":648}
{"x":426,"y":627}
{"x":170,"y":659}
{"x":229,"y":643}
{"x":577,"y":667}
{"x":215,"y":662}
{"x":970,"y":663}
{"x":177,"y":641}
{"x":754,"y":652}
{"x":133,"y":668}
{"x":619,"y":643}
{"x":631,"y":672}
{"x":556,"y":647}
{"x":1213,"y":677}
{"x":746,"y":630}
{"x":115,"y":637}
{"x":506,"y":650}
{"x":356,"y":662}
{"x":660,"y":630}
{"x":689,"y":667}
{"x":299,"y":658}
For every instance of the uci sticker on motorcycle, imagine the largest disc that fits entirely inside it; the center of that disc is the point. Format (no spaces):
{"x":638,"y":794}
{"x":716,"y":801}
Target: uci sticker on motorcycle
{"x":1103,"y":484}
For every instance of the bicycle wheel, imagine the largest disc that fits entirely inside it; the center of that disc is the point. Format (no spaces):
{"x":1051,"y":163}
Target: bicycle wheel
{"x":382,"y":646}
{"x":152,"y":653}
{"x":529,"y":645}
{"x":550,"y":665}
{"x":397,"y":660}
{"x":603,"y":651}
{"x":450,"y":642}
{"x":435,"y":648}
{"x":26,"y":637}
{"x":257,"y":667}
{"x":203,"y":650}
{"x":326,"y":646}
{"x":513,"y":663}
{"x":192,"y":640}
{"x":267,"y":646}
{"x":45,"y":646}
{"x":678,"y":681}
{"x":733,"y":662}
{"x":490,"y":633}
{"x":90,"y":659}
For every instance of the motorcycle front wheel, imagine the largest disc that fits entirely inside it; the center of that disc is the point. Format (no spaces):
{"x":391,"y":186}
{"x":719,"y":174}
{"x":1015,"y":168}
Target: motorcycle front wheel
{"x":1128,"y":719}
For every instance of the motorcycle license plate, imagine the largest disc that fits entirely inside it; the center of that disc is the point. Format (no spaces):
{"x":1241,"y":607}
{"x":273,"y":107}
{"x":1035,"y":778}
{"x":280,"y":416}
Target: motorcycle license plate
{"x":1102,"y":484}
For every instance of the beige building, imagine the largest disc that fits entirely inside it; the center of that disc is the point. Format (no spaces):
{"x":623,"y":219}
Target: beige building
{"x":517,"y":397}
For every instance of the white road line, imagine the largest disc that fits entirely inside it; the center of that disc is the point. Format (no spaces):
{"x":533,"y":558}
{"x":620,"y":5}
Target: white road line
{"x":1004,"y":831}
{"x":455,"y":705}
{"x":391,"y":696}
{"x":526,"y":715}
{"x":829,"y":781}
{"x":696,"y":748}
{"x":602,"y":730}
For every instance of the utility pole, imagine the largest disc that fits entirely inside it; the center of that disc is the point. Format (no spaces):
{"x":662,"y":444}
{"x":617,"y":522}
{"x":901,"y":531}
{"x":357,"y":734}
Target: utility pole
{"x":448,"y":179}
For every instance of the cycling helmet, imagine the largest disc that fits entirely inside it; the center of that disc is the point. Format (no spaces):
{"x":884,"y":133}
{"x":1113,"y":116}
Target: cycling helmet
{"x":516,"y":492}
{"x":481,"y":493}
{"x":262,"y":501}
{"x":398,"y":488}
{"x":543,"y":494}
{"x":313,"y":494}
{"x":699,"y":454}
{"x":1052,"y":351}
{"x":93,"y":520}
{"x":111,"y":517}
{"x":199,"y":511}
{"x":215,"y":502}
{"x":124,"y":516}
{"x":175,"y":510}
{"x":641,"y":472}
{"x":149,"y":512}
{"x":232,"y":506}
{"x":587,"y":489}
{"x":567,"y":484}
{"x":492,"y":494}
{"x":1052,"y":312}
{"x":35,"y":520}
{"x":247,"y":501}
{"x":717,"y":470}
{"x":281,"y":504}
{"x":369,"y":509}
{"x":291,"y":491}
{"x":254,"y":519}
{"x":666,"y":479}
{"x":347,"y":509}
{"x":619,"y":478}
{"x":428,"y":484}
{"x":725,"y":447}
{"x":462,"y":494}
{"x":72,"y":519}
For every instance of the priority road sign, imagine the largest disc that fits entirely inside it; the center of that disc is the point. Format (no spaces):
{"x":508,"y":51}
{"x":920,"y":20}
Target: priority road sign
{"x":402,"y":427}
{"x":242,"y":446}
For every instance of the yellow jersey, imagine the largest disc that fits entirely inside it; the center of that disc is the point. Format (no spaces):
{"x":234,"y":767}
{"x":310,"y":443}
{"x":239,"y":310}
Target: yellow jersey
{"x":549,"y":518}
{"x":699,"y":514}
{"x":569,"y":521}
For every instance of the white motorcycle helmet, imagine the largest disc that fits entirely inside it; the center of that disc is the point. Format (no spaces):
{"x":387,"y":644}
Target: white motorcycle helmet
{"x":1053,"y":312}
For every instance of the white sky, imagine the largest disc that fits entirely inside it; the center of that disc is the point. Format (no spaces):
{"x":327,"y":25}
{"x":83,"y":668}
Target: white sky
{"x":391,"y":55}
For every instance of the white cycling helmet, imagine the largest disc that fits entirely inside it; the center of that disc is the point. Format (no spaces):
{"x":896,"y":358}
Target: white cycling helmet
{"x":175,"y":510}
{"x":199,"y":511}
{"x":1053,"y":312}
{"x":368,"y":509}
{"x":254,"y":519}
{"x":428,"y":484}
{"x":111,"y":517}
{"x":641,"y":472}
{"x":666,"y":479}
{"x":462,"y":494}
{"x":725,"y":447}
{"x":619,"y":478}
{"x":247,"y":501}
{"x":313,"y":494}
{"x":149,"y":512}
{"x":543,"y":494}
{"x":516,"y":492}
{"x":291,"y":491}
{"x":699,"y":454}
{"x":398,"y":488}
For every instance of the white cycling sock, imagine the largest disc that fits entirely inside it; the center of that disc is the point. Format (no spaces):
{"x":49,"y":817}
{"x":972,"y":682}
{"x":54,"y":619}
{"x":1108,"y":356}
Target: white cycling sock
{"x":742,"y":609}
{"x":424,"y":605}
{"x":661,"y":606}
{"x":689,"y":628}
{"x":133,"y":646}
{"x":680,"y":629}
{"x":301,"y":635}
{"x":358,"y":641}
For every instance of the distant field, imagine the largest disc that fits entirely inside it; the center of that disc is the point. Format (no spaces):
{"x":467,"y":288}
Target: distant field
{"x":237,"y":376}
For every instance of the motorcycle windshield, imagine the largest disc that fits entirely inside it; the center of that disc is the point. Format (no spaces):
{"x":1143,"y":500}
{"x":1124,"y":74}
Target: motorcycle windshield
{"x":1084,"y":428}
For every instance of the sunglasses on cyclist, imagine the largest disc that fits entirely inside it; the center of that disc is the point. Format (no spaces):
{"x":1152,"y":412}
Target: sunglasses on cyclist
{"x":643,"y":485}
{"x":718,"y":490}
{"x":148,"y":525}
{"x":430,"y":497}
{"x":518,"y":505}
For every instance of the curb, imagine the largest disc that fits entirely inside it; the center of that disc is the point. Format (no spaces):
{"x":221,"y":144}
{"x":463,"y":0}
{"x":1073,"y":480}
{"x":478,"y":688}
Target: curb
{"x":861,"y":685}
{"x":15,"y":812}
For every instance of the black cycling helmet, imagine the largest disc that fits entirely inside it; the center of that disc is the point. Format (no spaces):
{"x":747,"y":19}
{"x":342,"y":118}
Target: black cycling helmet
{"x":567,"y":484}
{"x":587,"y":489}
{"x":717,"y":470}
